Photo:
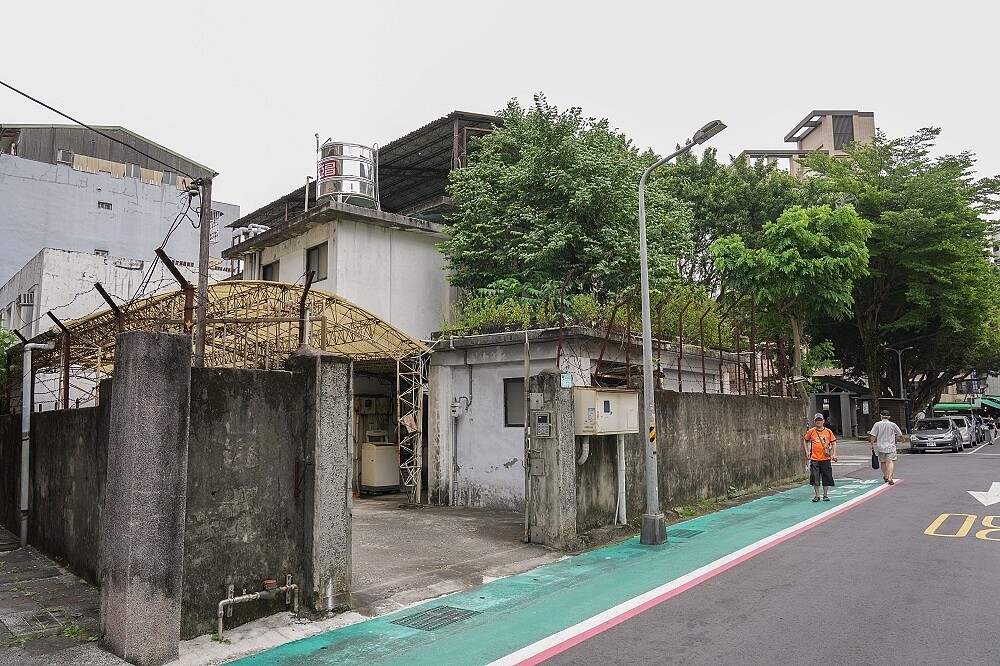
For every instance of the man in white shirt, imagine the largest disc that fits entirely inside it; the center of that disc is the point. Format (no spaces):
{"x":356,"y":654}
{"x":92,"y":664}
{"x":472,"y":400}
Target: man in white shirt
{"x":883,"y":437}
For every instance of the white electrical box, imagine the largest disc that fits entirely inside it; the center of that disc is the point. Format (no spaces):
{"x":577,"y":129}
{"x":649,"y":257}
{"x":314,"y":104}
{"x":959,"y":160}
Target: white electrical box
{"x":379,"y":463}
{"x":603,"y":411}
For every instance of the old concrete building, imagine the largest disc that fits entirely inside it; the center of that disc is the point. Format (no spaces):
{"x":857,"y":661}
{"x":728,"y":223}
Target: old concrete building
{"x":371,"y":226}
{"x":66,"y":187}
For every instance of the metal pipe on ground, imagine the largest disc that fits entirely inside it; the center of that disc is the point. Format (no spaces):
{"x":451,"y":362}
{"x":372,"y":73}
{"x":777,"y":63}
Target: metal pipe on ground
{"x":253,"y":596}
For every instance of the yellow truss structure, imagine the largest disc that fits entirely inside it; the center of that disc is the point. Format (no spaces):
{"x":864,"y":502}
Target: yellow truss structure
{"x":249,"y":324}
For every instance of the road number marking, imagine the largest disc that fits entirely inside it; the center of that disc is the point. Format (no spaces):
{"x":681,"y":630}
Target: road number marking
{"x":968,"y":520}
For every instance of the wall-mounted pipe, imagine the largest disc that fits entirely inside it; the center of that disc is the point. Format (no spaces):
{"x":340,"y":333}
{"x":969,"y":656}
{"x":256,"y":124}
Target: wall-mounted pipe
{"x":584,"y":450}
{"x":622,"y":520}
{"x":305,"y":204}
{"x":26,"y":402}
{"x":253,"y":596}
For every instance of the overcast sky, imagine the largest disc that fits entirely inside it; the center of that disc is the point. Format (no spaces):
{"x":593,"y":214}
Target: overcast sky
{"x":243,"y":86}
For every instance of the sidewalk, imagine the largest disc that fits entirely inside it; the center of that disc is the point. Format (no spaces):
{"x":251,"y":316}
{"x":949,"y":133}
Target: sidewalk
{"x":48,"y":616}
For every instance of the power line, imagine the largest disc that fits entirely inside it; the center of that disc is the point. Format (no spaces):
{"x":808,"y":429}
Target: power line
{"x":92,"y":129}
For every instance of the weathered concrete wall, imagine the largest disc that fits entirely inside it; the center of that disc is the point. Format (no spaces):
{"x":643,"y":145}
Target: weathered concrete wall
{"x":245,"y":501}
{"x":708,"y":443}
{"x":142,"y":534}
{"x":329,"y":447}
{"x":713,"y":442}
{"x":69,"y":460}
{"x":554,"y":508}
{"x":10,"y":471}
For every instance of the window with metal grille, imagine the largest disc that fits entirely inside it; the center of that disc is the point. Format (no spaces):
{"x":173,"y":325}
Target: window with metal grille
{"x":104,"y":205}
{"x":513,"y":402}
{"x":843,"y":131}
{"x":64,"y":156}
{"x":169,"y":178}
{"x":316,"y":261}
{"x":132,"y":171}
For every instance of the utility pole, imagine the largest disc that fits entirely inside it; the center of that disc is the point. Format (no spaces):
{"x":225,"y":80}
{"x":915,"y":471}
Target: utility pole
{"x":205,"y":229}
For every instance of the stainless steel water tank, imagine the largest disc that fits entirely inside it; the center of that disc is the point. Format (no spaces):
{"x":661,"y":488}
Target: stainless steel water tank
{"x":347,"y":173}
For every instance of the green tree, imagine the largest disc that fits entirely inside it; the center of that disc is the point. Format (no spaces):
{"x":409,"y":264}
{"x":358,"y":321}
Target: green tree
{"x":551,"y":194}
{"x":803,"y":267}
{"x":930,"y":286}
{"x":8,"y":364}
{"x":738,"y":198}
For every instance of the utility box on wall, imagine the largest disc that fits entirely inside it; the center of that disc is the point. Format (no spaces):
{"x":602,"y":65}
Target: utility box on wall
{"x":603,"y":411}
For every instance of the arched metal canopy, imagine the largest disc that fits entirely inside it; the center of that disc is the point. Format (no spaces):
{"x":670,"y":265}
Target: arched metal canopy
{"x":249,"y":324}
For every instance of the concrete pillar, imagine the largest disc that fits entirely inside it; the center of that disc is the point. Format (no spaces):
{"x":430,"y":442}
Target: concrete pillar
{"x":142,"y":534}
{"x":328,"y":526}
{"x":553,"y":468}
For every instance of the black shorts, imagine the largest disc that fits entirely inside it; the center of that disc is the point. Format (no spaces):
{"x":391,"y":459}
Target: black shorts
{"x":820,"y":473}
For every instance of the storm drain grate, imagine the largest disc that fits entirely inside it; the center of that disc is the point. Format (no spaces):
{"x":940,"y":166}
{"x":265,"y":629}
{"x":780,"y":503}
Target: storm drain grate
{"x":435,"y":618}
{"x":32,"y":623}
{"x":684,"y":534}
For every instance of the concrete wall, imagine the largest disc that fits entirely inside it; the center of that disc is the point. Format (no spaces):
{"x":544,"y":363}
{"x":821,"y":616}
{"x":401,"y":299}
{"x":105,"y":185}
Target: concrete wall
{"x":713,"y":442}
{"x":245,"y":499}
{"x":69,"y":459}
{"x":54,"y":205}
{"x":10,"y":471}
{"x":708,"y":444}
{"x":141,"y":561}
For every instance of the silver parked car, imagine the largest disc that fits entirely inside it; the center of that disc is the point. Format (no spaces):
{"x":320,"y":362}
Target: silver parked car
{"x":967,"y":430}
{"x":937,"y":434}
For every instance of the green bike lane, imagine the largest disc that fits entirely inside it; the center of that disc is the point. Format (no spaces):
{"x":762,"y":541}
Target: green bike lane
{"x":524,"y":618}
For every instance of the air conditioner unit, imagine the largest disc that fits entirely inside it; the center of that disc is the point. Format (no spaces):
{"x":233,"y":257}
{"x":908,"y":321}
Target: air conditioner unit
{"x":26,"y":300}
{"x":64,"y":156}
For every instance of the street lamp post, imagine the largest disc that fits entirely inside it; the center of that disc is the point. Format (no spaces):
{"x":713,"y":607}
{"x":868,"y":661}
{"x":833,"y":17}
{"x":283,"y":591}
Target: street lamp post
{"x":902,"y":389}
{"x":654,"y":528}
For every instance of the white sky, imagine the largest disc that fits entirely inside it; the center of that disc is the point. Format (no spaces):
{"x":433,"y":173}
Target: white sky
{"x":243,"y":86}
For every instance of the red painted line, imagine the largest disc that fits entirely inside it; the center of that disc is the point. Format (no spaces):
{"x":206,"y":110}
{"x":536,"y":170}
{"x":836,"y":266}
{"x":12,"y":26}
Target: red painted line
{"x":608,"y":624}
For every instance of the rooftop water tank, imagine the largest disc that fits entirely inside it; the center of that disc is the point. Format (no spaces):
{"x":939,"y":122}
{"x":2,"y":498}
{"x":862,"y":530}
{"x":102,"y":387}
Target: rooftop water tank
{"x":348,"y":173}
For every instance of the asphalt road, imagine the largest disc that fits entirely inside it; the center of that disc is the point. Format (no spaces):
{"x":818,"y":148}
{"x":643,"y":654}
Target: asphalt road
{"x":888,"y":582}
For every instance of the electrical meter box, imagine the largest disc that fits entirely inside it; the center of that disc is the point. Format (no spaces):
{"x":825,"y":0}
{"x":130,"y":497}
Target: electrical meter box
{"x":543,"y":424}
{"x":603,"y":411}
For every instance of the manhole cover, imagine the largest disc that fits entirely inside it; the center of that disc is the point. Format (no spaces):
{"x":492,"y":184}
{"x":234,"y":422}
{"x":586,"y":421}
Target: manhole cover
{"x":32,"y":623}
{"x":684,"y":534}
{"x":435,"y":618}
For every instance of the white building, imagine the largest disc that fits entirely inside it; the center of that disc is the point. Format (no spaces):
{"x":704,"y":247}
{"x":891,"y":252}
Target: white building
{"x":67,"y":187}
{"x":62,"y":283}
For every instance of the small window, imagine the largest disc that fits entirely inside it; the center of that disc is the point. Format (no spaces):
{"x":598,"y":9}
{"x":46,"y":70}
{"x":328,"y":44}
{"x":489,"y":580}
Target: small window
{"x":270,"y":272}
{"x":101,"y":253}
{"x":843,"y":131}
{"x":64,"y":156}
{"x":316,"y":261}
{"x":104,"y":205}
{"x":169,"y":178}
{"x":132,"y":171}
{"x":513,"y":403}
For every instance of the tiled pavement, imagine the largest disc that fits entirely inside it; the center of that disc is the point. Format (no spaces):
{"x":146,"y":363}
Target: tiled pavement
{"x":47,"y":615}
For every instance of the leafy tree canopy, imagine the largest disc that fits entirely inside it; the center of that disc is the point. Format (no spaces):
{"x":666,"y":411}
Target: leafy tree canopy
{"x":803,"y":265}
{"x":549,"y":202}
{"x":930,"y":286}
{"x":738,"y":198}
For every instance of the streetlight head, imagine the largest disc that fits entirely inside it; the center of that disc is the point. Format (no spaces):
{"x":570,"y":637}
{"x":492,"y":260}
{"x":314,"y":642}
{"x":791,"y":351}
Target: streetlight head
{"x":708,"y":131}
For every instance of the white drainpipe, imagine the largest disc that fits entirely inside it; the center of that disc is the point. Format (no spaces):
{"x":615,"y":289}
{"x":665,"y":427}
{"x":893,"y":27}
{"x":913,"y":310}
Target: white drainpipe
{"x":621,"y":480}
{"x":26,"y":430}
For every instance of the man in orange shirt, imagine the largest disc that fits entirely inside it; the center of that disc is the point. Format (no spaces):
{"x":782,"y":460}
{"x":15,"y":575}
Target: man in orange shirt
{"x":821,"y":447}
